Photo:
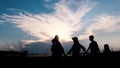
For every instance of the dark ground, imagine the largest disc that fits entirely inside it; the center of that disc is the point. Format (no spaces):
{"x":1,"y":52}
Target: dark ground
{"x":13,"y":59}
{"x":82,"y":61}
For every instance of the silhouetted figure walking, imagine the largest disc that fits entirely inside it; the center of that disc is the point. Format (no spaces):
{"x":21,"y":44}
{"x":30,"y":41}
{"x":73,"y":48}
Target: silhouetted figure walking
{"x":107,"y":50}
{"x":57,"y":49}
{"x":93,"y":46}
{"x":76,"y":48}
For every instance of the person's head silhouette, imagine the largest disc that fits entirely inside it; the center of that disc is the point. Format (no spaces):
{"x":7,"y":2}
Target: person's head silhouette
{"x":56,"y":37}
{"x":106,"y":47}
{"x":91,"y":37}
{"x":74,"y":38}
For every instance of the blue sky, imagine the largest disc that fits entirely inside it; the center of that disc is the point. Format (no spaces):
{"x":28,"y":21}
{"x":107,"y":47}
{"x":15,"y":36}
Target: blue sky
{"x":40,"y":20}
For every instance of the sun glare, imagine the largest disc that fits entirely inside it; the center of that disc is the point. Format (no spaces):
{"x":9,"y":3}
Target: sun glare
{"x":63,"y":33}
{"x":63,"y":37}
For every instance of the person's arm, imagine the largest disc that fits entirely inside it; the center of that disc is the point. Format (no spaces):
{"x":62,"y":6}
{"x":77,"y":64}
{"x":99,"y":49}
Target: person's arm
{"x":63,"y":51}
{"x":69,"y":51}
{"x":83,"y":48}
{"x":98,"y":48}
{"x":88,"y":49}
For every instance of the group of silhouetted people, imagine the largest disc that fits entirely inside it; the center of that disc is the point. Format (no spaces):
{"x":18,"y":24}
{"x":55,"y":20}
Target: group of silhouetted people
{"x":58,"y":51}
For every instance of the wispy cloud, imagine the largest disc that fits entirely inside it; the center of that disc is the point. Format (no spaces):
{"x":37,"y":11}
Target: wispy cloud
{"x":63,"y":21}
{"x":46,"y":0}
{"x":105,"y":23}
{"x":1,"y":21}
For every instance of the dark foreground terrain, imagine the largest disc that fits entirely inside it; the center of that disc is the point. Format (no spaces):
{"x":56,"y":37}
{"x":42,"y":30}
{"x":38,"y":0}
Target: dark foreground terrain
{"x":100,"y":60}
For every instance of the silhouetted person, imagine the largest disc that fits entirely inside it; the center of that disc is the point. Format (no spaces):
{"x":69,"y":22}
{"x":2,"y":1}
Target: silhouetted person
{"x":57,"y":49}
{"x":76,"y":48}
{"x":54,"y":48}
{"x":93,"y":46}
{"x":107,"y":50}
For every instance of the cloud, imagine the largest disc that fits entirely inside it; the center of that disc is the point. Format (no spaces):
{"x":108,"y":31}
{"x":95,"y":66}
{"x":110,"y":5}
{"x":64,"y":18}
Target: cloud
{"x":12,"y":48}
{"x":2,"y":45}
{"x":105,"y":23}
{"x":64,"y":21}
{"x":1,"y":21}
{"x":47,"y":0}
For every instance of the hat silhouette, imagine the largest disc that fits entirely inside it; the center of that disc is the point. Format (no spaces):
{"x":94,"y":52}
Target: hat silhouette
{"x":74,"y":38}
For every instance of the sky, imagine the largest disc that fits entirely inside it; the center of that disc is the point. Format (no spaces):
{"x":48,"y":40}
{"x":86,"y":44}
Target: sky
{"x":40,"y":20}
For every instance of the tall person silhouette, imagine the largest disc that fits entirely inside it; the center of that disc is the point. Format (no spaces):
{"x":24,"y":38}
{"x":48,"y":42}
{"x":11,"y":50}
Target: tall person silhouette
{"x":93,"y":46}
{"x":57,"y":49}
{"x":76,"y":48}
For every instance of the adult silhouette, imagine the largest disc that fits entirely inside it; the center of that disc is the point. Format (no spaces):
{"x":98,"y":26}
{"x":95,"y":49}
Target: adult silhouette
{"x":107,"y":50}
{"x":56,"y":48}
{"x":76,"y":48}
{"x":93,"y":46}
